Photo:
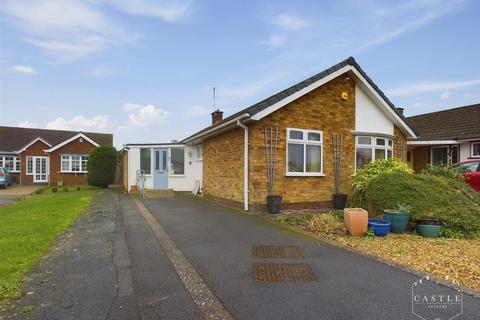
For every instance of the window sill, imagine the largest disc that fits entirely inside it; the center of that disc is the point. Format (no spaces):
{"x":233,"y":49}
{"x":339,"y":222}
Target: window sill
{"x":177,"y":176}
{"x":303,"y":174}
{"x":73,"y":172}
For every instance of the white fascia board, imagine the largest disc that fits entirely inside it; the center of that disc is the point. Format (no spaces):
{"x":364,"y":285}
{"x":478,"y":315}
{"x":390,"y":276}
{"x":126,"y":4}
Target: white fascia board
{"x":223,"y":125}
{"x":392,"y":114}
{"x":80,"y":135}
{"x":156,"y":145}
{"x":28,"y":145}
{"x":431,"y":142}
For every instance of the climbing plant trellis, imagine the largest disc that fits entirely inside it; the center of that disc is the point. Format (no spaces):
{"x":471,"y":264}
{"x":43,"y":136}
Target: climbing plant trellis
{"x":271,"y":143}
{"x":337,"y":146}
{"x":400,"y":149}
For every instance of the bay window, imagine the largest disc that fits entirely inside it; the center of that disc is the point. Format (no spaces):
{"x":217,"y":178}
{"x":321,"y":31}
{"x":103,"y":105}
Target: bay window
{"x":73,"y":163}
{"x":304,"y":152}
{"x":372,"y":148}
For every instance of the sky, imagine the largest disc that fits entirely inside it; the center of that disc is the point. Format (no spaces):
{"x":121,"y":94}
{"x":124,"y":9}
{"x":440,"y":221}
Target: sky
{"x":144,"y":70}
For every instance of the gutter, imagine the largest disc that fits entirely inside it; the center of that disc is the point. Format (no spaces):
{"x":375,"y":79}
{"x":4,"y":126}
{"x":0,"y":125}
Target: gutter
{"x":245,"y":164}
{"x":212,"y":130}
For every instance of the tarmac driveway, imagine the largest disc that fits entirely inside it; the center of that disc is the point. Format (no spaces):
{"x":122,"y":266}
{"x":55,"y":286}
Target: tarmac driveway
{"x":181,"y":257}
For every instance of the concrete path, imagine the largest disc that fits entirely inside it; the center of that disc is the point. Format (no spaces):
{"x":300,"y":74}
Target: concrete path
{"x":174,"y":256}
{"x":16,"y":192}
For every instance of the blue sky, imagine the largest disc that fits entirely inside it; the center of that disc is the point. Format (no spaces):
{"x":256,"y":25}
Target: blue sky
{"x":144,"y":70}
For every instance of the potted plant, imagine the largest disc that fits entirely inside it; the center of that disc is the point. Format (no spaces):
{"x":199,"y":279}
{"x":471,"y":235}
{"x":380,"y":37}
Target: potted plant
{"x":430,"y":228}
{"x":380,"y":227}
{"x":339,"y":199}
{"x":274,"y":202}
{"x":398,"y":218}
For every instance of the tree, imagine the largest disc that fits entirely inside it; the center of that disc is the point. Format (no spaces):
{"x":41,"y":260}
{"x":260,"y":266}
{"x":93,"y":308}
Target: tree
{"x":102,"y":163}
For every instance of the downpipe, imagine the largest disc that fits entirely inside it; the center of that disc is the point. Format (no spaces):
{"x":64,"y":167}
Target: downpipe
{"x":245,"y":164}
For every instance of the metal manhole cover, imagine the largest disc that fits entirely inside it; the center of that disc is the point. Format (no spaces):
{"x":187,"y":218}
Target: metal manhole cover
{"x":285,"y":252}
{"x":273,"y":272}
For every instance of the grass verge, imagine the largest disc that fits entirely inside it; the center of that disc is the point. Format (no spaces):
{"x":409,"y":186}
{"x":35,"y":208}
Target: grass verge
{"x":27,"y":230}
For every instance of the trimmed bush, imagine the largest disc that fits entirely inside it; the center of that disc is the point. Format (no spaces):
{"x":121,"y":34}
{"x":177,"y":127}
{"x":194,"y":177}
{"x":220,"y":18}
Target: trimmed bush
{"x":54,"y":190}
{"x":445,"y":171}
{"x":66,"y":189}
{"x":429,"y":197}
{"x":78,"y":188}
{"x":364,"y":176}
{"x":102,"y":163}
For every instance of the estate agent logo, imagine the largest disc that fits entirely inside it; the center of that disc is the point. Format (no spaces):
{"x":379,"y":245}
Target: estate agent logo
{"x":431,"y":301}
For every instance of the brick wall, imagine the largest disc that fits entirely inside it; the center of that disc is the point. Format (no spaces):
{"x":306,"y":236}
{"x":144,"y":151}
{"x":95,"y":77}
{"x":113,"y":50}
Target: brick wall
{"x":74,"y":147}
{"x":223,"y":166}
{"x":35,"y":149}
{"x":322,"y":109}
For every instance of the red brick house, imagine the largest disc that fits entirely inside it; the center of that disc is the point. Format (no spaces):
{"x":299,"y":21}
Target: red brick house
{"x":339,"y":100}
{"x":47,"y":156}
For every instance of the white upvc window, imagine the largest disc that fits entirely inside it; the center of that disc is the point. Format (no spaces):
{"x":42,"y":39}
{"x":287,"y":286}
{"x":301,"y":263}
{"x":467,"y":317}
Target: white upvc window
{"x":475,"y":149}
{"x":304,"y":152}
{"x":74,"y":163}
{"x":12,"y":163}
{"x":199,"y":153}
{"x":29,"y":165}
{"x":369,"y":148}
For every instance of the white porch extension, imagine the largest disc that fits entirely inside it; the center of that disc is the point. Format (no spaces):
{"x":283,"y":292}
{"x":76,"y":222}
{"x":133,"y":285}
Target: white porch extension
{"x":166,"y":166}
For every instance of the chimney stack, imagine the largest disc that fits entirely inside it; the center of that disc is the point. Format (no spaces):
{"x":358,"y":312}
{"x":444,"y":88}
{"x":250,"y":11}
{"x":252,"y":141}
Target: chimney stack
{"x":400,"y":110}
{"x":217,"y":116}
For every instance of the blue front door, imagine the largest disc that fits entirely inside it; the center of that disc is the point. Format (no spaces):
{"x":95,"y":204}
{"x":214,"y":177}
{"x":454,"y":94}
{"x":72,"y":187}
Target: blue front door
{"x":160,"y":168}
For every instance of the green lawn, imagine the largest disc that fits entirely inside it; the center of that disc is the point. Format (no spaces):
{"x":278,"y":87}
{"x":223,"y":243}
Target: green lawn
{"x":27,"y":230}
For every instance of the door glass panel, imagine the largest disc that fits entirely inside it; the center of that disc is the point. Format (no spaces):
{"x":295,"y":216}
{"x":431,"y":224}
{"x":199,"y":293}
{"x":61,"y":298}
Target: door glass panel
{"x":164,"y":160}
{"x":157,"y":160}
{"x":439,"y":156}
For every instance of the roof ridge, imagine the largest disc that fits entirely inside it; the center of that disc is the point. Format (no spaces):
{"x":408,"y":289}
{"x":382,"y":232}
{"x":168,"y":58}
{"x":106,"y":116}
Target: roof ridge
{"x":57,"y":130}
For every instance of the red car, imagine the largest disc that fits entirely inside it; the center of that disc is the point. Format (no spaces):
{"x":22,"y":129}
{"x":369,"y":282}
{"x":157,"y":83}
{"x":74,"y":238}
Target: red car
{"x":472,"y":172}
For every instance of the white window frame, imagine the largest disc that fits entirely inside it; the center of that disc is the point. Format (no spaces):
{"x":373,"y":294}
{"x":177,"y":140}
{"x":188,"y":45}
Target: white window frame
{"x":16,"y":165}
{"x":373,"y":146}
{"x":70,"y":162}
{"x":305,"y":142}
{"x":471,"y":149}
{"x":29,"y":158}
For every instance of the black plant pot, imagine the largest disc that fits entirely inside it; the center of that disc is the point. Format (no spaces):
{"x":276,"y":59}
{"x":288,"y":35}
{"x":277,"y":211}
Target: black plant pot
{"x":431,"y":222}
{"x":339,"y":201}
{"x":274,"y":204}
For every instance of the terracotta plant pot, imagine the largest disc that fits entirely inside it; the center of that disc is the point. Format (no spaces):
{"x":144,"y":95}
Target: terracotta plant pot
{"x":356,"y":221}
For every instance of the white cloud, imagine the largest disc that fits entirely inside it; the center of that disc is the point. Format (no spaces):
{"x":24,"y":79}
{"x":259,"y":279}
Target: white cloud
{"x":27,"y":124}
{"x":171,"y":11}
{"x":410,"y":90}
{"x":445,"y":95}
{"x":144,"y":115}
{"x":196,"y":111}
{"x":23,"y":69}
{"x":290,"y":22}
{"x":80,"y":123}
{"x":274,"y":41}
{"x":66,"y":30}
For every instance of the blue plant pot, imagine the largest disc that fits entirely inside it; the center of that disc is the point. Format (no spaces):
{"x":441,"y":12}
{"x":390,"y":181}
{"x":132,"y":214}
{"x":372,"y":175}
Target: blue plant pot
{"x":380,"y":227}
{"x":398,"y":220}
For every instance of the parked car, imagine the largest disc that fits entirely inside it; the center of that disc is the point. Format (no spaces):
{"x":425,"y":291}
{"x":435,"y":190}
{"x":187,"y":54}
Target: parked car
{"x":5,"y":178}
{"x":472,"y":172}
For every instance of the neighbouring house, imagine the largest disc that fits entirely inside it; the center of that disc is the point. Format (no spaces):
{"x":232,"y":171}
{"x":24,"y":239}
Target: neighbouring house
{"x":47,"y":156}
{"x":228,"y":158}
{"x":446,"y":137}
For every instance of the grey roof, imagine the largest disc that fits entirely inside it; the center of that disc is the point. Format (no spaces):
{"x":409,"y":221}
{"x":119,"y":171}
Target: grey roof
{"x":452,"y":124}
{"x":14,"y":138}
{"x":262,"y":105}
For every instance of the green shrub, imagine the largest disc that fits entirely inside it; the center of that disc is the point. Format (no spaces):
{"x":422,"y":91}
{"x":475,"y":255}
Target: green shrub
{"x":364,"y":176}
{"x":429,"y":197}
{"x":66,"y":189}
{"x":102,"y":163}
{"x":54,"y":190}
{"x":78,"y":188}
{"x":39,"y":191}
{"x":445,"y":171}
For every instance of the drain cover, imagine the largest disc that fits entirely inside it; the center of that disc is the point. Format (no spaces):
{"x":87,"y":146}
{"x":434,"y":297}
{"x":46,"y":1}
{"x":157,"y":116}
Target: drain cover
{"x":286,"y":252}
{"x":273,"y":272}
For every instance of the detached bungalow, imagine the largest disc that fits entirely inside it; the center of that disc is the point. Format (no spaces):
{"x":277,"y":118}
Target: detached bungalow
{"x":46,"y":156}
{"x":229,"y":159}
{"x":446,"y":137}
